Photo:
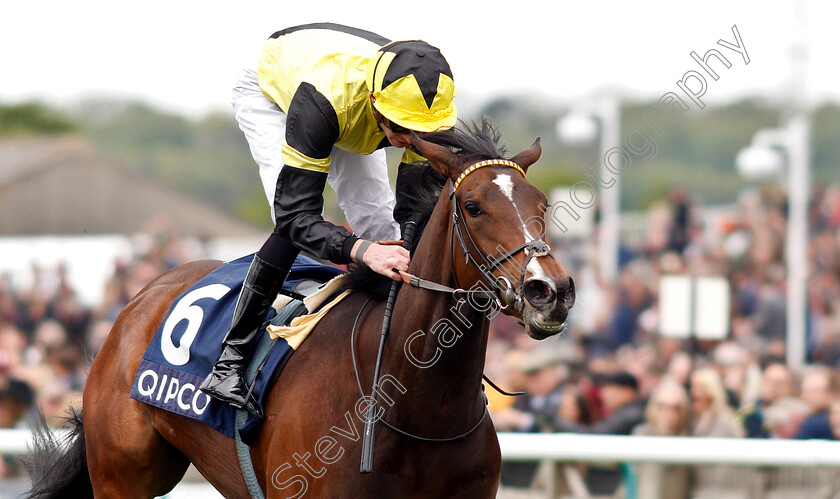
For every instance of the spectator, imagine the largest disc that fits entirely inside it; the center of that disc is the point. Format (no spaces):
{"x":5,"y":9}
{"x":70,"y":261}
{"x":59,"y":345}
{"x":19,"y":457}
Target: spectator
{"x":16,"y":397}
{"x":619,"y":393}
{"x":543,"y":378}
{"x":712,"y":417}
{"x":784,"y":417}
{"x":666,"y":415}
{"x":620,"y":397}
{"x":631,"y":297}
{"x":818,"y":390}
{"x":575,"y":407}
{"x":49,"y":335}
{"x":737,"y":367}
{"x":96,"y":334}
{"x":771,"y":310}
{"x":679,"y":368}
{"x":776,"y":382}
{"x":539,"y":373}
{"x":12,"y":345}
{"x":678,"y":231}
{"x":834,"y":418}
{"x":15,"y":400}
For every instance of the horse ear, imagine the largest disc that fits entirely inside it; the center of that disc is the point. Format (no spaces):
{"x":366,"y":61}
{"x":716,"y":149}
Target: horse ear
{"x":441,"y":158}
{"x":529,"y":156}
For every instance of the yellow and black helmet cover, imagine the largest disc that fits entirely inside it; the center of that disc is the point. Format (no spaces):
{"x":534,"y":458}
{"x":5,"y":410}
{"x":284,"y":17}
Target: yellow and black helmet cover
{"x":412,"y":86}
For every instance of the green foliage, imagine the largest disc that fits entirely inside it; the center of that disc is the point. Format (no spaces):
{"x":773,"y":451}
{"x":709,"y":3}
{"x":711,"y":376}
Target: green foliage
{"x":33,"y":119}
{"x":825,"y":146}
{"x":209,"y":157}
{"x":645,"y":184}
{"x":710,"y":137}
{"x":547,"y":174}
{"x":254,"y":208}
{"x":697,"y":150}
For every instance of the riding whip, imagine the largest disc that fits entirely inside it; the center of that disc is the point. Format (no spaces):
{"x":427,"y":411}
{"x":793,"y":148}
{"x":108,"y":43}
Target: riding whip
{"x":370,"y":421}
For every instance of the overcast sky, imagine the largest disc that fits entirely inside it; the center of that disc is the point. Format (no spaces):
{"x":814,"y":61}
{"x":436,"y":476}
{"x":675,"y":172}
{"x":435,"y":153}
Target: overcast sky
{"x":183,"y":55}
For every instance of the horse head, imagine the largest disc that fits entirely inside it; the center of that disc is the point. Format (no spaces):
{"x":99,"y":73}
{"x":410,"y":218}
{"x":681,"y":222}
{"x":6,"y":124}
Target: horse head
{"x":498,"y":221}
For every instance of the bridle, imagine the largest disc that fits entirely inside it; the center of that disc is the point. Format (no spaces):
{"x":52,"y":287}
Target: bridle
{"x":498,"y":287}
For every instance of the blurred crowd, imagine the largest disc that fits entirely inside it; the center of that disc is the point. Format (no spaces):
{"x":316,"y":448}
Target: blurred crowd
{"x":613,"y":373}
{"x":610,"y":372}
{"x":48,"y":336}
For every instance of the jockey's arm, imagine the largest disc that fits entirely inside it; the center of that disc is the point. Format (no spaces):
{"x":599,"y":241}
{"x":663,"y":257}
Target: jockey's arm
{"x":311,"y":131}
{"x":299,"y":205}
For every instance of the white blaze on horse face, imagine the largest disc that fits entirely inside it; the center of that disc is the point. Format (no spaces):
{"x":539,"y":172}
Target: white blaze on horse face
{"x":536,"y":270}
{"x":505,"y":183}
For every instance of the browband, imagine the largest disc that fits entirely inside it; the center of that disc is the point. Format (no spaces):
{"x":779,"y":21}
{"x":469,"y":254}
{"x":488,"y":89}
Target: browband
{"x":482,"y":164}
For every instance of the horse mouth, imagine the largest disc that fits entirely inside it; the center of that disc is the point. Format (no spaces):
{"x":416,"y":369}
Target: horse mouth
{"x":541,"y":326}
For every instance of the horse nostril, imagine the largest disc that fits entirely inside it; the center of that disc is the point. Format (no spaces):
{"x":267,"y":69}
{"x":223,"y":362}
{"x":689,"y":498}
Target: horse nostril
{"x":538,"y":292}
{"x":566,"y":290}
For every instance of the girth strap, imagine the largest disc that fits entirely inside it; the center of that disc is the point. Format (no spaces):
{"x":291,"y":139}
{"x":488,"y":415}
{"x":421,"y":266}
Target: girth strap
{"x":243,"y":451}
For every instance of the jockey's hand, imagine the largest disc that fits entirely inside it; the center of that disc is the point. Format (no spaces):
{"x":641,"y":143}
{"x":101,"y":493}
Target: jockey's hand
{"x":383,"y":259}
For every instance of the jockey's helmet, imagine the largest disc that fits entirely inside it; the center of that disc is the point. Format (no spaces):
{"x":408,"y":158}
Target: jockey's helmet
{"x":412,"y":86}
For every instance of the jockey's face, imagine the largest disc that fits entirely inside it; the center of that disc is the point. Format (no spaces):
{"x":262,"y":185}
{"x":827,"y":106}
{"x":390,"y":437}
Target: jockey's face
{"x":395,"y":138}
{"x":397,"y":135}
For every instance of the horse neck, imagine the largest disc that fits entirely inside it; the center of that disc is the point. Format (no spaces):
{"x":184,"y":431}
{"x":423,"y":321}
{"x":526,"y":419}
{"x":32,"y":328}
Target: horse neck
{"x":443,"y":340}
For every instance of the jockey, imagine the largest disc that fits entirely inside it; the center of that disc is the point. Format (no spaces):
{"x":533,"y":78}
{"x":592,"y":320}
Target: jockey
{"x":320,"y":106}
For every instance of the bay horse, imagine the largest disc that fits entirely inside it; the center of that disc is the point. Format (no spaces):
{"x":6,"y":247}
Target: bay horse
{"x":434,"y":438}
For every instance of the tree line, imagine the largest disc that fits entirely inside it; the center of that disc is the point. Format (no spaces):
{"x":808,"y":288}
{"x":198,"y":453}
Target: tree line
{"x":209,"y":156}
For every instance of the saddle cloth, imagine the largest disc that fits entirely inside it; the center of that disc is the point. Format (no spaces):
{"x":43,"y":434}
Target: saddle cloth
{"x":189,"y":341}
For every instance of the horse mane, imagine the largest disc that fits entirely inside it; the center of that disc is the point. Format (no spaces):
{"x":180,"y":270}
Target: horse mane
{"x":474,"y":141}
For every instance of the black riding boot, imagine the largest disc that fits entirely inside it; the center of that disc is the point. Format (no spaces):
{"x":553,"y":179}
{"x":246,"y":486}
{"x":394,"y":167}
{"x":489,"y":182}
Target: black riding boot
{"x":227,"y":380}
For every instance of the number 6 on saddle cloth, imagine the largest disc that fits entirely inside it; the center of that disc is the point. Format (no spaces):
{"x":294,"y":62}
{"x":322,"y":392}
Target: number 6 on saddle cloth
{"x":189,"y":341}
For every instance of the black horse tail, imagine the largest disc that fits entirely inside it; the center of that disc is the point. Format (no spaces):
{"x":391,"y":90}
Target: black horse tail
{"x":55,"y":472}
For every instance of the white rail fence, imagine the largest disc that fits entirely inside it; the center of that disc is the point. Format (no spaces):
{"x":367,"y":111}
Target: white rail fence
{"x":557,"y":448}
{"x":669,"y":450}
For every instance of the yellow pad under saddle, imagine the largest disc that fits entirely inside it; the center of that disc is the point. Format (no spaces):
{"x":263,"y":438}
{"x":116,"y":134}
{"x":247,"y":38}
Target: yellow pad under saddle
{"x":301,"y":326}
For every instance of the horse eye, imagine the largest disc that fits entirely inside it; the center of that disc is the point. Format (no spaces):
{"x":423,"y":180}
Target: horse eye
{"x":472,"y":209}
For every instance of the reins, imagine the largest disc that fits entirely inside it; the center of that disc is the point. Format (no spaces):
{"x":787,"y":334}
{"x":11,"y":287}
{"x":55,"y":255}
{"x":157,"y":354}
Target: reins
{"x":370,"y":423}
{"x":386,"y":423}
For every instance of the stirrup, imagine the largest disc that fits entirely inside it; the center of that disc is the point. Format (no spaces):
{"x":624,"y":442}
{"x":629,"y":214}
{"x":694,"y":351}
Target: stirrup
{"x":252,"y":405}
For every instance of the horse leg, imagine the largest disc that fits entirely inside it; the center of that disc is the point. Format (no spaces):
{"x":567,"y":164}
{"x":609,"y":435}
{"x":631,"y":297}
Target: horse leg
{"x":126,"y":456}
{"x":213,"y":454}
{"x":136,"y":450}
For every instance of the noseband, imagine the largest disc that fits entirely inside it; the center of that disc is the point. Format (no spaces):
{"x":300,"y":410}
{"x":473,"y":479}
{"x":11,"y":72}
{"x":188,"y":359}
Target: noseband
{"x":500,"y":286}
